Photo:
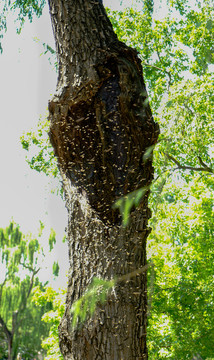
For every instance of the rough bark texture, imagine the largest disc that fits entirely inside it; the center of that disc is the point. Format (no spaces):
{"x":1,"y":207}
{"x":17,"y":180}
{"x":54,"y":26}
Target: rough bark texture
{"x":100,"y":127}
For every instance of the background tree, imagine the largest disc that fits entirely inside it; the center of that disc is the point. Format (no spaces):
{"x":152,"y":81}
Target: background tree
{"x":178,"y":70}
{"x":181,"y":301}
{"x":20,"y":319}
{"x":181,"y":282}
{"x":52,"y":318}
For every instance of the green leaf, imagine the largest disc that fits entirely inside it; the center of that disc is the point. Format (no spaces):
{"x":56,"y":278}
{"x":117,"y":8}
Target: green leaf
{"x":148,"y":153}
{"x":55,"y":268}
{"x":126,"y":203}
{"x":95,"y":294}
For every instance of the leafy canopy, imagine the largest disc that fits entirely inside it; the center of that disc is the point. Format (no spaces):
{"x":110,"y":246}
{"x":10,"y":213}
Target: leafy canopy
{"x":21,"y":260}
{"x":52,"y":318}
{"x":22,"y":10}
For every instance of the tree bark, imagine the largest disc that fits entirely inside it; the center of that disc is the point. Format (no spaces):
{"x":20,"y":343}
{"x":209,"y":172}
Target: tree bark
{"x":100,"y":127}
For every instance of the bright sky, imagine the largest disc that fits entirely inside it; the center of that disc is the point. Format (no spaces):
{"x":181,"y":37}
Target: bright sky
{"x":26,"y":82}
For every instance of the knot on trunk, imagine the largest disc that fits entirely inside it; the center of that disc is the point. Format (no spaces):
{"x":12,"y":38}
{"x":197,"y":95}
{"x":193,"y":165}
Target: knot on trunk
{"x":101,"y":133}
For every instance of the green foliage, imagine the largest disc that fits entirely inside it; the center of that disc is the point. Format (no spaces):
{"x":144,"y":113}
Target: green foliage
{"x":96,"y":294}
{"x":23,"y":10}
{"x":3,"y":22}
{"x":20,"y":258}
{"x":50,"y":52}
{"x":15,"y":249}
{"x":186,"y":123}
{"x":177,"y":54}
{"x":198,"y":35}
{"x":87,"y":303}
{"x":52,"y":240}
{"x":41,"y":157}
{"x":126,"y":203}
{"x":52,"y":318}
{"x":27,"y":9}
{"x":181,"y":284}
{"x":169,"y":47}
{"x":56,"y":268}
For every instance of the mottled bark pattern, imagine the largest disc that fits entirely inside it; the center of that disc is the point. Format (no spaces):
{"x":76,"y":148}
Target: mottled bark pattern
{"x":101,"y":125}
{"x":118,"y":329}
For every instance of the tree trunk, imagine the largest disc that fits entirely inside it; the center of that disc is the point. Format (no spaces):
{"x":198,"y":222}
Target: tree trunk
{"x":100,"y":127}
{"x":10,"y":348}
{"x":9,"y":337}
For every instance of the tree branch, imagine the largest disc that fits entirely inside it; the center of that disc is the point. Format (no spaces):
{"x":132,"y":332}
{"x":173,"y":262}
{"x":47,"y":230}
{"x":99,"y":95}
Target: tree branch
{"x":2,"y":285}
{"x":167,"y":72}
{"x":134,"y":273}
{"x":188,"y":108}
{"x":160,"y":69}
{"x":22,"y":307}
{"x":7,"y":332}
{"x":209,"y":169}
{"x":205,"y":168}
